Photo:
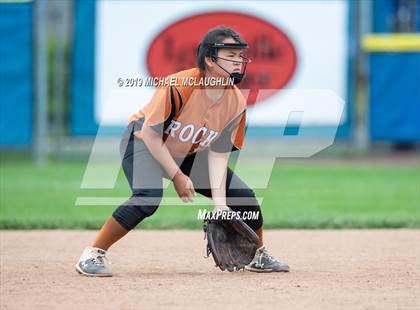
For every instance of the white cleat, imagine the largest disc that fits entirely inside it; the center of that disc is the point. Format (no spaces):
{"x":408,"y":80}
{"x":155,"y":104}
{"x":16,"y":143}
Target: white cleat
{"x":94,"y":263}
{"x":265,"y":262}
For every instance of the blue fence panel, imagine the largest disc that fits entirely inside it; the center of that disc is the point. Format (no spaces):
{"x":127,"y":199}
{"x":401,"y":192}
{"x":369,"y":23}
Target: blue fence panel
{"x":386,"y":11}
{"x":16,"y":71}
{"x":394,"y":79}
{"x":82,"y":116}
{"x":395,"y":97}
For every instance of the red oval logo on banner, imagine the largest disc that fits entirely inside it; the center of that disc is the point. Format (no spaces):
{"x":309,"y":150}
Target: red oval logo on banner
{"x":272,"y":52}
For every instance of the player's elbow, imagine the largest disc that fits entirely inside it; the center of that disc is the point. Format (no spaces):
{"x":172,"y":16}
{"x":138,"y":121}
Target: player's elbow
{"x":150,"y":136}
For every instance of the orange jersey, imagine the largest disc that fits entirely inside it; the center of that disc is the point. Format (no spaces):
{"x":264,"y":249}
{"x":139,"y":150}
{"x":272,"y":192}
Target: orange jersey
{"x":190,"y":121}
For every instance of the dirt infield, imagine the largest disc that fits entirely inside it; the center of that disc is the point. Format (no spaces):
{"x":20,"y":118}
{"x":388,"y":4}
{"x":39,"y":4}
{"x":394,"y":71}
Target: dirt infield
{"x":343,"y":269}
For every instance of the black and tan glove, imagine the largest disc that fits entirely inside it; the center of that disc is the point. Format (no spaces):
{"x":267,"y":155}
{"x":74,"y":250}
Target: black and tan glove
{"x":231,"y":242}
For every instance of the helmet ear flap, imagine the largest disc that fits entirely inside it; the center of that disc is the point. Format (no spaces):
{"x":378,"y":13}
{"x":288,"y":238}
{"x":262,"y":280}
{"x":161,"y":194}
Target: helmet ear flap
{"x":213,"y":54}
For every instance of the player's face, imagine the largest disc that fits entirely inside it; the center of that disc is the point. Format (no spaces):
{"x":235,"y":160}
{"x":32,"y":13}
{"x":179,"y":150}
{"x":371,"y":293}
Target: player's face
{"x":229,"y":58}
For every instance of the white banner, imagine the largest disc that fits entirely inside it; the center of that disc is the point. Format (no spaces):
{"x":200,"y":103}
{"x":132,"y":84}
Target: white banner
{"x":316,"y":30}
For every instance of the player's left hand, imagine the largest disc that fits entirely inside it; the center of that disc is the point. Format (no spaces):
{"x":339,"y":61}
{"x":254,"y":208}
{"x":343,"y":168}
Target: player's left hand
{"x":184,"y":187}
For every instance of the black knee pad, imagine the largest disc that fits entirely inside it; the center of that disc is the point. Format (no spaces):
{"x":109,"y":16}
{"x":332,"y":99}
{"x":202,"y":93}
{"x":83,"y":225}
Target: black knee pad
{"x":138,"y":207}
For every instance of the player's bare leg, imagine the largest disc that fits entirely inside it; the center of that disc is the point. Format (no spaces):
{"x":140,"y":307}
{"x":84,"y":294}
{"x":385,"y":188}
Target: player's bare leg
{"x":259,"y":233}
{"x":111,"y":232}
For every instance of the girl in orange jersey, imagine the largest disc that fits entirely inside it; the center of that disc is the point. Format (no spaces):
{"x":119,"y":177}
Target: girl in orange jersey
{"x":186,"y":134}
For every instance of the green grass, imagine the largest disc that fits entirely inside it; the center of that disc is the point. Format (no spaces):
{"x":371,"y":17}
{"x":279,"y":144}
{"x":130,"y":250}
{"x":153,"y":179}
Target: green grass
{"x":310,"y":195}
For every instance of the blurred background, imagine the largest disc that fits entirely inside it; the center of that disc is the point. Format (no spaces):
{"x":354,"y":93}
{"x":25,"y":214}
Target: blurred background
{"x":59,"y":66}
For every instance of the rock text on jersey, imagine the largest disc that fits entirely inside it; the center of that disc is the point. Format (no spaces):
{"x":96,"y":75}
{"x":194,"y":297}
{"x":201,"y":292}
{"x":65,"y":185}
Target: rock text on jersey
{"x":189,"y":133}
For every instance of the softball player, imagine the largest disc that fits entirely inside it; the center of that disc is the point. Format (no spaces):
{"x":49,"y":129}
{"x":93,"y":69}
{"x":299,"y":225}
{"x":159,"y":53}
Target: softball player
{"x":186,"y":133}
